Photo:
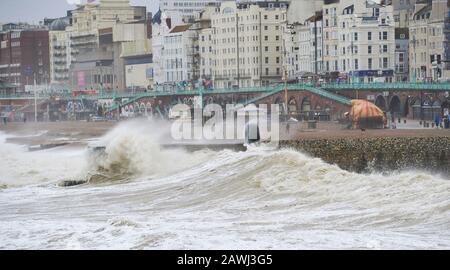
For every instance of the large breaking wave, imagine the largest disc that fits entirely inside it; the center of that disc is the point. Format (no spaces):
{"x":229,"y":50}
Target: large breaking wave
{"x":261,"y":198}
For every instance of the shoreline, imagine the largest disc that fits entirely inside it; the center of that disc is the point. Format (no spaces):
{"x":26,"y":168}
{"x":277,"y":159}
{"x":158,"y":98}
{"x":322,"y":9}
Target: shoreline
{"x":352,"y":150}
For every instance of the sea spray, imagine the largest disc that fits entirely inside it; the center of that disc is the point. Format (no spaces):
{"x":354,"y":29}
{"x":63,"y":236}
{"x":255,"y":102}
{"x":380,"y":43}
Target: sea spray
{"x":20,"y":167}
{"x":133,"y":148}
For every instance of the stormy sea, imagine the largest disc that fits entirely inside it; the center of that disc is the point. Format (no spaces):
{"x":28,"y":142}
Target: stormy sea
{"x":139,"y":195}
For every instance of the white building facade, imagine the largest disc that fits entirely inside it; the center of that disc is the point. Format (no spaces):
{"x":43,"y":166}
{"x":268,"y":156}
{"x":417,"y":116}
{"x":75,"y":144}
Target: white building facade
{"x":247,"y":45}
{"x":359,"y":41}
{"x":178,"y":56}
{"x":188,"y":9}
{"x":427,"y":42}
{"x":60,"y":52}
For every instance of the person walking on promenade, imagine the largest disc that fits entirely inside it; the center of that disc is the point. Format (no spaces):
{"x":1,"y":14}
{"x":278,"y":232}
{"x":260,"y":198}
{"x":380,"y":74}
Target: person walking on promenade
{"x":437,"y":120}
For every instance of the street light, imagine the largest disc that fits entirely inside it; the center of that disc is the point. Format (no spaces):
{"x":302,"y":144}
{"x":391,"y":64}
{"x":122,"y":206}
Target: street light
{"x":35,"y":98}
{"x":284,"y":64}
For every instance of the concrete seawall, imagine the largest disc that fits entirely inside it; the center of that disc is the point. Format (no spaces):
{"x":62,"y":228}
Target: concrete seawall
{"x":379,"y":154}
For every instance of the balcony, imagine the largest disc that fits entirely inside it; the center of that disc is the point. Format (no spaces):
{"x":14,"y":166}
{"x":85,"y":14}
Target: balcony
{"x":60,"y":62}
{"x":60,"y":70}
{"x":59,"y":47}
{"x":82,"y":35}
{"x":58,"y":54}
{"x":82,"y":43}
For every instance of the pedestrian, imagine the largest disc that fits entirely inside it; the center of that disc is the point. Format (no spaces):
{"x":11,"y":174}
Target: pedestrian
{"x":437,"y":120}
{"x":5,"y":120}
{"x":447,"y":119}
{"x":24,"y":118}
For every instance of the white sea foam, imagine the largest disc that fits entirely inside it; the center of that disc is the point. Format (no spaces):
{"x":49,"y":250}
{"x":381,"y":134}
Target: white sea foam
{"x":262,"y":198}
{"x":20,"y":167}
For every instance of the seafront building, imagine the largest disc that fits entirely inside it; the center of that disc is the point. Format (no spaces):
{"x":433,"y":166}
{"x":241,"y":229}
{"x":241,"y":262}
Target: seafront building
{"x":162,"y":24}
{"x":60,"y":51}
{"x":359,"y":41}
{"x":187,"y":10}
{"x":24,"y":56}
{"x":304,"y":49}
{"x":247,"y":46}
{"x":403,"y":12}
{"x":178,"y":57}
{"x":110,"y":45}
{"x":92,"y":44}
{"x":206,"y":47}
{"x":429,"y":42}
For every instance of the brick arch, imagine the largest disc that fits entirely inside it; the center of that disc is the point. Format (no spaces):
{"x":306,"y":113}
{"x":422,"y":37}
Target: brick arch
{"x":278,"y":100}
{"x":395,"y":104}
{"x":306,"y":104}
{"x":380,"y":101}
{"x":293,"y":105}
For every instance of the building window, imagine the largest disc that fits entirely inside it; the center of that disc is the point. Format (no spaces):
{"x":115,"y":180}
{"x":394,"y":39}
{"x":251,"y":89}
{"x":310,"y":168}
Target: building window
{"x":265,"y":17}
{"x":266,"y":60}
{"x":385,"y":62}
{"x":369,"y":49}
{"x":266,"y":38}
{"x":369,"y":36}
{"x":369,"y":63}
{"x":266,"y":49}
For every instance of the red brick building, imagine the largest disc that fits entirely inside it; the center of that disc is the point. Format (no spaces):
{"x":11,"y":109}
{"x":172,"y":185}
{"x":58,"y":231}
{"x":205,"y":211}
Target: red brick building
{"x":24,"y":56}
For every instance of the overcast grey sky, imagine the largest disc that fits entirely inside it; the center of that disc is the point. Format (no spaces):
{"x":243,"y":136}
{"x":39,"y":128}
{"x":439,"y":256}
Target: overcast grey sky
{"x":36,"y":10}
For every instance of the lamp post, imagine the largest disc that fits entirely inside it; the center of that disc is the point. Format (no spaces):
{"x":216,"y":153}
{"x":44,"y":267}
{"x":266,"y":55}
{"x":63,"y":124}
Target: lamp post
{"x":35,"y":99}
{"x":352,"y":46}
{"x":285,"y":69}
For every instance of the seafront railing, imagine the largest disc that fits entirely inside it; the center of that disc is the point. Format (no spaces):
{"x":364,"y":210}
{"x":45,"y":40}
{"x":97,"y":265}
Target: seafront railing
{"x":388,"y":86}
{"x":318,"y":88}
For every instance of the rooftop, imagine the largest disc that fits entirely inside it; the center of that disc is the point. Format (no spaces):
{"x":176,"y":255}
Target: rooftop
{"x":180,"y":28}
